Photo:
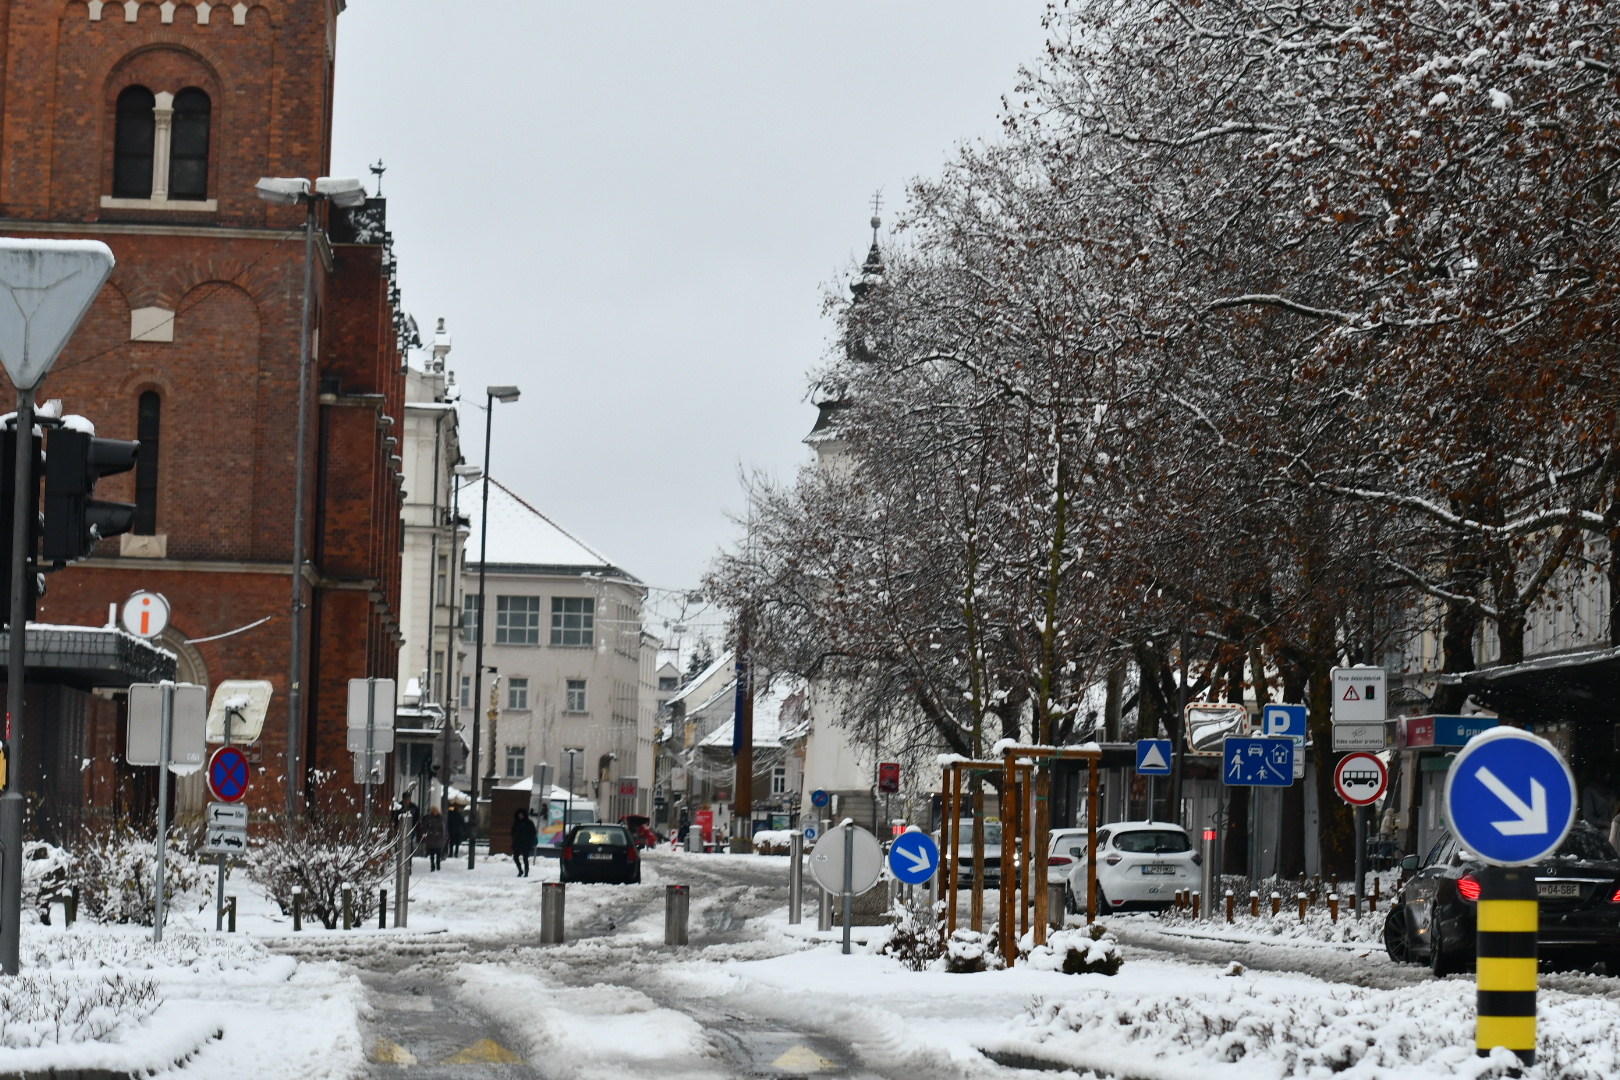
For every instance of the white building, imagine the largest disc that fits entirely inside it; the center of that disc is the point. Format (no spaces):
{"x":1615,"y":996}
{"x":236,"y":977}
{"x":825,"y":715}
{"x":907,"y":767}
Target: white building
{"x":569,"y":658}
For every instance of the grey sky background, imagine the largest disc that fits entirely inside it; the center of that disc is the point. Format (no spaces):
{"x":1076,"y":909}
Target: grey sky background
{"x":631,"y":211}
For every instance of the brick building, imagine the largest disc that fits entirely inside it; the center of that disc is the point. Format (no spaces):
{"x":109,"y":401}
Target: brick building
{"x":146,"y":126}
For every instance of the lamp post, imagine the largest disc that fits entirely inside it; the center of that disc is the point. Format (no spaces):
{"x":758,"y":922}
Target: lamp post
{"x":574,"y":754}
{"x":47,"y":288}
{"x":464,"y":474}
{"x":492,"y":394}
{"x":296,"y":191}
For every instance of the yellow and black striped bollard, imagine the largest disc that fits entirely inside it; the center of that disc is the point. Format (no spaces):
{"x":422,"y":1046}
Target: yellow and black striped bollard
{"x":1509,"y":914}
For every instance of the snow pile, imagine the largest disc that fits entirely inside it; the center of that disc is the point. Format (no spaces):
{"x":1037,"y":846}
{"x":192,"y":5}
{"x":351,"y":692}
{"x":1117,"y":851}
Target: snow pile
{"x":1285,"y":926}
{"x":773,"y":842}
{"x":1086,"y":950}
{"x":969,"y":951}
{"x":1232,"y":1027}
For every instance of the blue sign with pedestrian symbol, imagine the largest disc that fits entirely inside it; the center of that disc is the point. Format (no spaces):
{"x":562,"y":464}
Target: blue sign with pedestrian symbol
{"x":913,"y":857}
{"x":1510,"y":797}
{"x":1286,"y":720}
{"x":1257,"y":762}
{"x":1152,"y":757}
{"x":819,"y":797}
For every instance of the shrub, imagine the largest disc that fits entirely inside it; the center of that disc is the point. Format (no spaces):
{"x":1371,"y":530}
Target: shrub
{"x":320,"y":852}
{"x":115,"y":869}
{"x":1083,"y":950}
{"x":969,"y":951}
{"x":918,"y":935}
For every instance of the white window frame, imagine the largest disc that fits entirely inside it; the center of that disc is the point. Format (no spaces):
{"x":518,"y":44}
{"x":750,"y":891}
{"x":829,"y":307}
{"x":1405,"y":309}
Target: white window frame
{"x":517,"y":693}
{"x":574,"y":705}
{"x":515,"y":625}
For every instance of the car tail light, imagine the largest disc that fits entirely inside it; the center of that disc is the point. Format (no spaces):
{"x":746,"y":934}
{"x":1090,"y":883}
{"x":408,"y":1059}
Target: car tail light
{"x":1058,"y":860}
{"x":1468,"y":887}
{"x":1615,"y":899}
{"x":633,"y":855}
{"x":568,"y":851}
{"x":1112,"y":860}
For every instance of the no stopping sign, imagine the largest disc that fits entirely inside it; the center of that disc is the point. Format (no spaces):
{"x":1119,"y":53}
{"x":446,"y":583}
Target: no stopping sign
{"x":1360,"y":779}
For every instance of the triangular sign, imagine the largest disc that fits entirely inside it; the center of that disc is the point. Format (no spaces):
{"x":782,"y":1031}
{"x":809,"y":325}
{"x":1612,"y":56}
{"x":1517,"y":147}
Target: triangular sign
{"x":1350,"y":694}
{"x":1154,"y":758}
{"x":46,"y":287}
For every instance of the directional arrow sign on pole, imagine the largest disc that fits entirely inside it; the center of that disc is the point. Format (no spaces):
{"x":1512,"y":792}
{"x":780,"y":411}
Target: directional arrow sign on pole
{"x":913,"y":857}
{"x":1510,"y":797}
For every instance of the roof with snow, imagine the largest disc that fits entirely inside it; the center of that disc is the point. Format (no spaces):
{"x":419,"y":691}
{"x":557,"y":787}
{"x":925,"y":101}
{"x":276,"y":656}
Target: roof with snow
{"x":701,"y":681}
{"x":521,"y":536}
{"x":768,"y":716}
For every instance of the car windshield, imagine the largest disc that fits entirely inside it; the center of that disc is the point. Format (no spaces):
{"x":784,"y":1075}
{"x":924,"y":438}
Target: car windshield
{"x":992,"y":832}
{"x":1586,"y":843}
{"x":1152,"y":841}
{"x":609,"y":835}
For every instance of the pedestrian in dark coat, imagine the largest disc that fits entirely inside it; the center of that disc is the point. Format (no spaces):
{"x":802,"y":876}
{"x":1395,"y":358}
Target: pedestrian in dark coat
{"x":411,"y":812}
{"x":433,"y":836}
{"x":524,"y":834}
{"x":455,"y":830}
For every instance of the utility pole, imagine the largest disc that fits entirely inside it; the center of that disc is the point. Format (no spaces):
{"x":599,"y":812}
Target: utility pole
{"x":742,"y":746}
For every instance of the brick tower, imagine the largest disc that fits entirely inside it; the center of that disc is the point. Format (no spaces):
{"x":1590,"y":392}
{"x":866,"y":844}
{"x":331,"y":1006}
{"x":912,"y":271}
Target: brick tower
{"x":146,"y":125}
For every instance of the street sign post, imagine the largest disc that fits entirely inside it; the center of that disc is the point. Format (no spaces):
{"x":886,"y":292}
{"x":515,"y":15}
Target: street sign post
{"x":1209,"y":722}
{"x":228,"y":775}
{"x":848,"y":860}
{"x":1257,"y":762}
{"x":1153,"y":757}
{"x":1510,"y":799}
{"x":1358,"y":737}
{"x":913,"y":857}
{"x":238,"y":710}
{"x":1358,"y":695}
{"x":1360,"y":780}
{"x":819,"y":797}
{"x":145,"y":614}
{"x":188,"y":747}
{"x":889,"y":777}
{"x":1287,"y":721}
{"x":371,"y":733}
{"x":810,"y":832}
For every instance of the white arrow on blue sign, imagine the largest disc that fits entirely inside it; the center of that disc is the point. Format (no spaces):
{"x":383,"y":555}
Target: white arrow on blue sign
{"x":1510,"y":797}
{"x":1153,"y":757}
{"x":913,"y":857}
{"x":1257,"y":762}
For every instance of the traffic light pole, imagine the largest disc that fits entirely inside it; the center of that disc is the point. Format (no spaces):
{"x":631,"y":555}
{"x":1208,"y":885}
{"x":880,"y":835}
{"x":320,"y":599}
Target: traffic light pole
{"x":11,"y":802}
{"x":295,"y":678}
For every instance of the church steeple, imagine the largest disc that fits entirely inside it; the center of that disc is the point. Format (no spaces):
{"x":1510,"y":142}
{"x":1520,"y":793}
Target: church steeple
{"x":872,"y":268}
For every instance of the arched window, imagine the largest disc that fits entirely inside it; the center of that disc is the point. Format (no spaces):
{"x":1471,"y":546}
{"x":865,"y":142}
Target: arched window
{"x":188,"y":153}
{"x":148,"y":427}
{"x":132,"y":144}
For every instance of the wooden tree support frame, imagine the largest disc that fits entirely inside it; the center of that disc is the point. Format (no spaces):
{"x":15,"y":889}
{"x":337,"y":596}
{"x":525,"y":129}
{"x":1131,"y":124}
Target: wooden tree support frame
{"x":1025,"y":836}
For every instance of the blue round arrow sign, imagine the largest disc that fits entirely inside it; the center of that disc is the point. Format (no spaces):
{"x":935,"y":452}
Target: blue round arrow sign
{"x":913,"y":857}
{"x":1510,"y":797}
{"x":819,"y":797}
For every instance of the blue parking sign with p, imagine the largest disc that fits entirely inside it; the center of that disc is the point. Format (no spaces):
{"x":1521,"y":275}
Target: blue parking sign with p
{"x":1285,"y":720}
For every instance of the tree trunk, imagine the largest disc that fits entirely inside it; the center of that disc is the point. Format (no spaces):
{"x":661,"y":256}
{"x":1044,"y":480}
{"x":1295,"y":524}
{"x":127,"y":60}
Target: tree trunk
{"x":1113,"y":701}
{"x":1336,"y":828}
{"x":1291,"y":831}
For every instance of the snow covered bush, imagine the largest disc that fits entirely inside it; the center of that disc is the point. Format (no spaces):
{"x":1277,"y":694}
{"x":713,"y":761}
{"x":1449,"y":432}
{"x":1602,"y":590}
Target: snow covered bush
{"x":115,"y":869}
{"x":917,"y":937}
{"x":969,"y":951}
{"x":1083,"y":950}
{"x":320,"y":852}
{"x":50,"y":1009}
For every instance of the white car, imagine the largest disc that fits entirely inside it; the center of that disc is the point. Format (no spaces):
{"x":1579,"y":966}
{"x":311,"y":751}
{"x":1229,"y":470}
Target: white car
{"x":1067,"y":847}
{"x":1140,"y":865}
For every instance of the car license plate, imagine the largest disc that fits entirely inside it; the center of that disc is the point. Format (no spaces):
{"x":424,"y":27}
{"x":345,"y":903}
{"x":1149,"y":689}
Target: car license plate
{"x":1568,"y":890}
{"x":600,"y":858}
{"x":1159,"y":869}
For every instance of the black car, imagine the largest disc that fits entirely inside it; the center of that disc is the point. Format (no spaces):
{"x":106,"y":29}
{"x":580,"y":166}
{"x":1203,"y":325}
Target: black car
{"x":1433,"y":919}
{"x":600,"y":853}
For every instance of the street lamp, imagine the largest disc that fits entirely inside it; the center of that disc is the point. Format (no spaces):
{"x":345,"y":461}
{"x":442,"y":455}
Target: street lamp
{"x":492,"y":394}
{"x":464,"y":474}
{"x":574,"y":753}
{"x":47,"y":288}
{"x":294,"y":191}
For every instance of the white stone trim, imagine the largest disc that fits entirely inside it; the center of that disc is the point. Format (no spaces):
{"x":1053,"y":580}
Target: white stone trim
{"x":203,"y":8}
{"x":131,"y":546}
{"x":181,"y":206}
{"x":163,"y":116}
{"x":239,"y":13}
{"x":95,"y":10}
{"x":151,"y":324}
{"x":167,"y":8}
{"x":132,"y":10}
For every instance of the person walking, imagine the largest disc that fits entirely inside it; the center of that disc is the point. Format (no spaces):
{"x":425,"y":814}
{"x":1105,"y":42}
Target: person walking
{"x":410,"y":811}
{"x":434,"y":837}
{"x":455,"y":830}
{"x":524,"y":834}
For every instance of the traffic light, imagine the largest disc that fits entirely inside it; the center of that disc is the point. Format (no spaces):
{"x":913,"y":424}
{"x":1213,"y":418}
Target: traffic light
{"x":74,"y":521}
{"x":8,"y":490}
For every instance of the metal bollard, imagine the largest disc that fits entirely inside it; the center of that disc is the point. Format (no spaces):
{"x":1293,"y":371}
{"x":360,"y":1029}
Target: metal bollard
{"x":1372,"y":905}
{"x":1333,"y":906}
{"x":230,"y":915}
{"x":72,"y":908}
{"x":1230,"y":911}
{"x":796,"y":878}
{"x":1197,"y":898}
{"x":677,"y":906}
{"x":298,"y":908}
{"x":1057,"y":915}
{"x":1304,"y":902}
{"x":1254,"y":904}
{"x":402,"y":870}
{"x":348,"y":906}
{"x":551,"y":913}
{"x":382,"y":909}
{"x":824,"y":913}
{"x":1276,"y":904}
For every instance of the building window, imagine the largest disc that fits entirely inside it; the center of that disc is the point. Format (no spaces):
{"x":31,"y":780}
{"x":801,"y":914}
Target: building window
{"x":576,"y":695}
{"x":517,"y":693}
{"x":133,"y":135}
{"x":779,"y":780}
{"x":668,"y":682}
{"x":466,"y":691}
{"x":438,"y":675}
{"x":188,"y":147}
{"x":573,"y":620}
{"x":516,"y":757}
{"x":517,"y":620}
{"x":148,"y":427}
{"x":441,"y":588}
{"x":470,"y":630}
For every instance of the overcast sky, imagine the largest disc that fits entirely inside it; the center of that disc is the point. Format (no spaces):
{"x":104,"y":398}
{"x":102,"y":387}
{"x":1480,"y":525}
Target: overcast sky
{"x":631,"y":211}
